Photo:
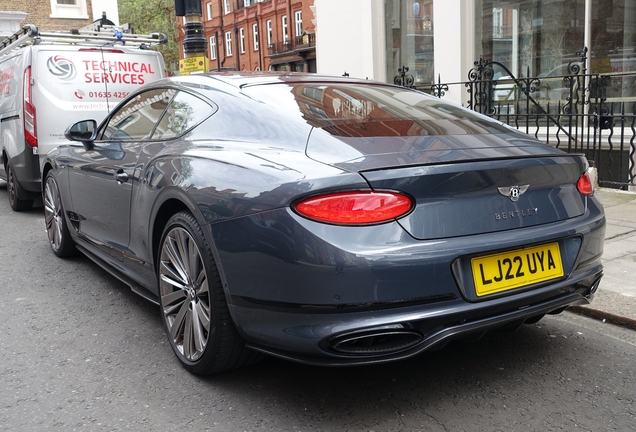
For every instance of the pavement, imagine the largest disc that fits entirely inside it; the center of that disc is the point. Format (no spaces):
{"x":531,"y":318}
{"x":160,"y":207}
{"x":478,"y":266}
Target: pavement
{"x":615,"y":300}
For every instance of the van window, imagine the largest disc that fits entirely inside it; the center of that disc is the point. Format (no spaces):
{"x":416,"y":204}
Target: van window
{"x":136,"y":119}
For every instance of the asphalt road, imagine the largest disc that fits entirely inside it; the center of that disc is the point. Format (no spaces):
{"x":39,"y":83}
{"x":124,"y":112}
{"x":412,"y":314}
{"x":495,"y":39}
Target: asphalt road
{"x":80,"y":351}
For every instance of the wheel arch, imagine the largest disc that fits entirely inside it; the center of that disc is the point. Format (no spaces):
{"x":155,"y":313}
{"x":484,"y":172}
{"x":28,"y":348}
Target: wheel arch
{"x":171,"y":201}
{"x":45,"y":171}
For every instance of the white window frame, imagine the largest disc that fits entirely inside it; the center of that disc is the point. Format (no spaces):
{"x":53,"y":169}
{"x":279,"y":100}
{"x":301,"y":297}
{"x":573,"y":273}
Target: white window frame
{"x":75,"y":11}
{"x":283,"y":21}
{"x":269,"y":32}
{"x":242,"y":39}
{"x":208,"y":7}
{"x":255,"y":36}
{"x":226,"y":5}
{"x":497,"y":23}
{"x":247,"y":3}
{"x":228,"y":44}
{"x":212,"y":47}
{"x":298,"y":17}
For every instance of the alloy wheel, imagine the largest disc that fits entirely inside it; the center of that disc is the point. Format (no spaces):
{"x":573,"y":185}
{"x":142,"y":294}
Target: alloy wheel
{"x":53,"y":213}
{"x":185,"y":295}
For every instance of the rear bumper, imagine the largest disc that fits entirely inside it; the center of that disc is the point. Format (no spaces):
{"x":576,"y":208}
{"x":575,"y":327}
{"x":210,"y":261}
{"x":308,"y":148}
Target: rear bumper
{"x":310,"y":337}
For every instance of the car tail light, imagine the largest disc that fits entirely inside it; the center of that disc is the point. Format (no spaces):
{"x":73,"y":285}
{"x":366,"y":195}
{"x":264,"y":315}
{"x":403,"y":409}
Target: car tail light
{"x":355,"y":208}
{"x":30,"y":131}
{"x":585,"y":185}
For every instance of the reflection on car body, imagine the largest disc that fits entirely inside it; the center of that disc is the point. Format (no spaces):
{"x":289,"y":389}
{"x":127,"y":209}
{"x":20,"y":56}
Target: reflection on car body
{"x":325,"y":220}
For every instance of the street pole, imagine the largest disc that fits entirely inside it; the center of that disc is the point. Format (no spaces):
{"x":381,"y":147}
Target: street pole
{"x":195,"y":45}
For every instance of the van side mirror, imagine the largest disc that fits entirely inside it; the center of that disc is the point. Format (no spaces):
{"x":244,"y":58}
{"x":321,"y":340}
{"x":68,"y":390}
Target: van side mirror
{"x":83,"y":131}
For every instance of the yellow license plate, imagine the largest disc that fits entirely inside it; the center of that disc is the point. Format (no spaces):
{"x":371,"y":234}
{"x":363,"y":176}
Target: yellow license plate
{"x":515,"y":269}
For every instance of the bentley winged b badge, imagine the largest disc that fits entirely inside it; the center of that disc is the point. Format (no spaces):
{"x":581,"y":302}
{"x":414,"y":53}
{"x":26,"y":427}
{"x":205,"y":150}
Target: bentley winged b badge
{"x":513,"y":192}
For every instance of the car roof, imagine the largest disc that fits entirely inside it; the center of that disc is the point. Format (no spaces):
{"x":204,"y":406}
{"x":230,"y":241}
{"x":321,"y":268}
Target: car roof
{"x":246,"y":78}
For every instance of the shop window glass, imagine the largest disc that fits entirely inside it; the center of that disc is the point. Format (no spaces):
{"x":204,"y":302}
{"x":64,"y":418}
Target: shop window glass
{"x":541,"y":38}
{"x":409,"y":36}
{"x":614,"y":46}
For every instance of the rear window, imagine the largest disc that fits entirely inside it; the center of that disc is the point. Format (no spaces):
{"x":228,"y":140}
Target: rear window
{"x":368,"y":110}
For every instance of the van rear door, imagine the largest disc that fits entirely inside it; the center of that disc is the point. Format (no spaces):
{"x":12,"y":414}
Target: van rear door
{"x":75,"y":83}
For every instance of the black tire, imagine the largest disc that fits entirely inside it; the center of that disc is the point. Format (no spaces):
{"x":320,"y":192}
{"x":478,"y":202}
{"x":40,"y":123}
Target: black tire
{"x":192,"y":303}
{"x":17,"y":204}
{"x":55,"y":220}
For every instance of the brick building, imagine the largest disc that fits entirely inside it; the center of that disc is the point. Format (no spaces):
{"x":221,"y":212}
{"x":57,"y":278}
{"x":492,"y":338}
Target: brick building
{"x":259,"y":35}
{"x":53,"y":14}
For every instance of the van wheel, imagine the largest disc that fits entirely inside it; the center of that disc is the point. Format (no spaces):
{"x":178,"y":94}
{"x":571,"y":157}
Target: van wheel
{"x":17,"y":204}
{"x":194,"y":310}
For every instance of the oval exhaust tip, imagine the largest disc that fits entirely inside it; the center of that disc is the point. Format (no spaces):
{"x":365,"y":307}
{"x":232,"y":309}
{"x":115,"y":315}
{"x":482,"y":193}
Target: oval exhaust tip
{"x":377,"y":342}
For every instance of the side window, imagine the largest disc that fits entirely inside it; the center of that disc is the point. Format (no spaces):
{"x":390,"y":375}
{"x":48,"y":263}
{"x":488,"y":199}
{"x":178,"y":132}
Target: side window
{"x":185,"y":112}
{"x":136,"y":119}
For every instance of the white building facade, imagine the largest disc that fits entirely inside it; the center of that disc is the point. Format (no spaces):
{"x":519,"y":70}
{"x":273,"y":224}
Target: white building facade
{"x":441,"y":39}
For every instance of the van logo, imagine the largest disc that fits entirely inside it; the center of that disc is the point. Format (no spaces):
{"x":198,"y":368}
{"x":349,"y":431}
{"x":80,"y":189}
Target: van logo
{"x":61,"y":67}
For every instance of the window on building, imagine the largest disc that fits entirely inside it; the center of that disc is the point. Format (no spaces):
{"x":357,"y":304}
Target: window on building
{"x":227,"y":6}
{"x":409,"y":33}
{"x":208,"y":7}
{"x":247,"y":3}
{"x":242,"y":39}
{"x":213,"y":47}
{"x":228,"y":43}
{"x":69,"y":9}
{"x":269,"y":32}
{"x":255,"y":36}
{"x":497,"y":23}
{"x":298,"y":17}
{"x":529,"y":37}
{"x":284,"y":22}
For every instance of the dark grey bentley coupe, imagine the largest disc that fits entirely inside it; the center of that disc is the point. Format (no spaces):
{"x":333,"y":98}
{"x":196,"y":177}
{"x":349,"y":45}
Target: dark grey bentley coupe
{"x":330,"y":221}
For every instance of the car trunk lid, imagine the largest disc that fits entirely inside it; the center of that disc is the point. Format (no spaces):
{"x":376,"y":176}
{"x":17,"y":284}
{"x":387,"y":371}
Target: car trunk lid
{"x":466,"y":198}
{"x":465,"y":184}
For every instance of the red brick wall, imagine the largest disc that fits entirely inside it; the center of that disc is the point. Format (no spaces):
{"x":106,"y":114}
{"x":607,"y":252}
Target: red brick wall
{"x":241,"y":17}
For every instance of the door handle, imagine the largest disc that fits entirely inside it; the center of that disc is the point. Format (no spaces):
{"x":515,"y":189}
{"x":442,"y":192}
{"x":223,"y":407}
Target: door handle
{"x":121,"y":176}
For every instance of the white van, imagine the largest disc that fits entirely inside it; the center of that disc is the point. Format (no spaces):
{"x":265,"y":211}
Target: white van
{"x":49,"y":80}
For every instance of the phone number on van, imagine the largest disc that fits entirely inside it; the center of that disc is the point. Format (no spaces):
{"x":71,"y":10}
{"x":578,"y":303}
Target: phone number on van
{"x":119,"y":95}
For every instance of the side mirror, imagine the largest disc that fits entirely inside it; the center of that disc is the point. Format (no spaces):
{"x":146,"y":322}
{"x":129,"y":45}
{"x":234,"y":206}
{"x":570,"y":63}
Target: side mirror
{"x":83,"y":131}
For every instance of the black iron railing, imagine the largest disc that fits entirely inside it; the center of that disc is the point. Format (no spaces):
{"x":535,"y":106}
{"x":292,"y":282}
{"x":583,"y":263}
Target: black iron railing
{"x":576,"y":111}
{"x":299,"y":43}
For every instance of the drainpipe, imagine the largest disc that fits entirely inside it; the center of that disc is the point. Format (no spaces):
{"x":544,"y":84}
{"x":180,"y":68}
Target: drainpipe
{"x":222,"y":10}
{"x":237,"y":63}
{"x":260,"y":45}
{"x":218,"y":57}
